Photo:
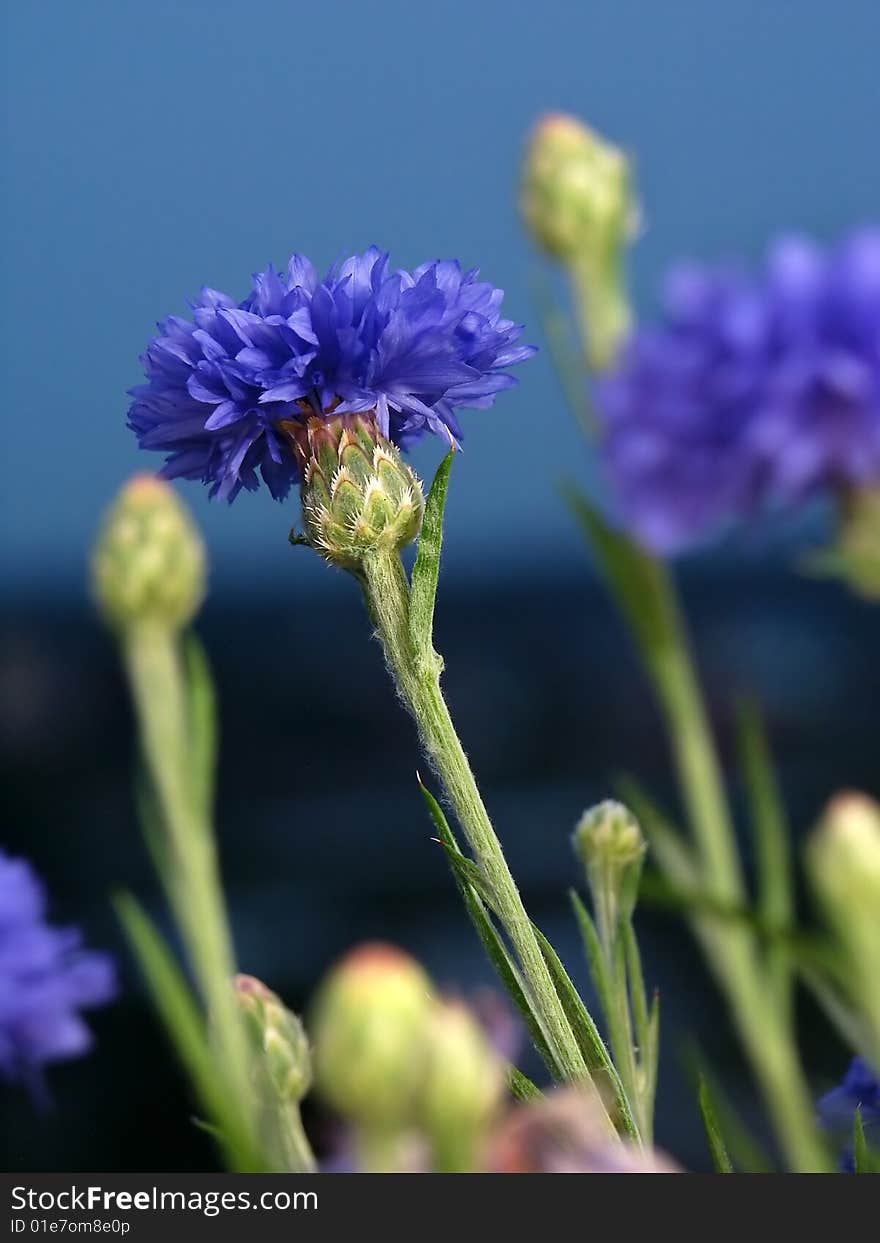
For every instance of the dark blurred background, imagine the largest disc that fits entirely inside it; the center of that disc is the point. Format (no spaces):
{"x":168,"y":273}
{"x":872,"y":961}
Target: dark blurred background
{"x":153,"y":147}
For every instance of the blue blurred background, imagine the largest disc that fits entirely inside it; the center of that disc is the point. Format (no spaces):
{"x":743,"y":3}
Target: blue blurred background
{"x":154,"y":147}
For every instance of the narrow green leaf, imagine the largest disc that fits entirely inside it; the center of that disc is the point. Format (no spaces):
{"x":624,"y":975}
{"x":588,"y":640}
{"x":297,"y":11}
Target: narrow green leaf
{"x":592,"y":950}
{"x":637,"y":580}
{"x":183,"y":1021}
{"x":848,"y":1022}
{"x":650,"y":1055}
{"x":202,"y":724}
{"x":491,"y":941}
{"x":638,"y":995}
{"x":717,"y":1148}
{"x":746,"y":1153}
{"x":862,"y":1162}
{"x":521,"y":1087}
{"x":466,"y":871}
{"x":772,"y":844}
{"x":586,"y":1033}
{"x":423,"y":585}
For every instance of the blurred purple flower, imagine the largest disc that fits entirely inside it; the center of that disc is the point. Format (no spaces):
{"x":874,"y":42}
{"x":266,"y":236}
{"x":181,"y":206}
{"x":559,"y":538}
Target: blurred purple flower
{"x":752,"y":393}
{"x":45,"y":979}
{"x":412,"y":346}
{"x":859,"y":1089}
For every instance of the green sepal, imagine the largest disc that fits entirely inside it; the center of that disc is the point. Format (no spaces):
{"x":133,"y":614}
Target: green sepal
{"x":423,"y":583}
{"x":721,"y":1161}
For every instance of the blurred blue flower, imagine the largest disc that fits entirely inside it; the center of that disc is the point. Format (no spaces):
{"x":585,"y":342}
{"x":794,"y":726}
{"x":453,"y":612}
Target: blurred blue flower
{"x":752,"y":393}
{"x":860,"y":1088}
{"x":45,"y":979}
{"x":412,"y":346}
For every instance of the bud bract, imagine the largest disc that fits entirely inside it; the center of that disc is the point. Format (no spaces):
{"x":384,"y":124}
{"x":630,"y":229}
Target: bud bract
{"x":358,"y":494}
{"x":368,"y":1027}
{"x":278,"y":1039}
{"x":148,"y":564}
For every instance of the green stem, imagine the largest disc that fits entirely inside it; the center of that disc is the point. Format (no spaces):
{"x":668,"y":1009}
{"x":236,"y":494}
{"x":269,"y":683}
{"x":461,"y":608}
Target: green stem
{"x":763,"y":1029}
{"x":671,"y":667}
{"x":417,"y":677}
{"x":190,"y":871}
{"x":296,"y":1151}
{"x":602,"y":306}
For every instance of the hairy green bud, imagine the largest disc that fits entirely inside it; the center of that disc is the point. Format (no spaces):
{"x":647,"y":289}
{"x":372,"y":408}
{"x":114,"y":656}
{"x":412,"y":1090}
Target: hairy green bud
{"x":278,"y":1039}
{"x":358,"y":494}
{"x":610,"y":844}
{"x":368,"y":1026}
{"x":148,"y":564}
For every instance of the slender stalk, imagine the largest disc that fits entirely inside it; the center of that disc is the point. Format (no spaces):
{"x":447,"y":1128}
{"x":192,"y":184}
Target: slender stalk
{"x":417,"y":677}
{"x":764,"y":1030}
{"x":190,"y":872}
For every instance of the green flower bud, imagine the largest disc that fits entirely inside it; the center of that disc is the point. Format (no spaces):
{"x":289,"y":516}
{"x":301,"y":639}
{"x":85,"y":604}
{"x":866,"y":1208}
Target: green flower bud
{"x":462,"y":1088}
{"x":843,"y":862}
{"x":610,"y":844}
{"x":148,"y":565}
{"x":368,"y":1027}
{"x":278,"y":1039}
{"x":358,"y":494}
{"x":577,"y":203}
{"x":575,"y":189}
{"x":843,"y":857}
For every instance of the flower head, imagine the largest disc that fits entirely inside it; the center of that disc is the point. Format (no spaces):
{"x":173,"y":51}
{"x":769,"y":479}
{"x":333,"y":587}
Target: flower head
{"x":859,"y":1089}
{"x":45,"y":979}
{"x":412,"y":347}
{"x":751,"y":393}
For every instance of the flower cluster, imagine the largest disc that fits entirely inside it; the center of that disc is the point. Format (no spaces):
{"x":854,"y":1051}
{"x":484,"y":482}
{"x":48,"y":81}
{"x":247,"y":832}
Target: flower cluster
{"x":45,"y":978}
{"x":412,"y":347}
{"x":859,"y":1089}
{"x":751,"y":393}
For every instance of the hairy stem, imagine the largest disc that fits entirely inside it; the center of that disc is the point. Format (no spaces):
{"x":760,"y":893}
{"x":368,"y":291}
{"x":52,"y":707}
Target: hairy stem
{"x":417,"y":677}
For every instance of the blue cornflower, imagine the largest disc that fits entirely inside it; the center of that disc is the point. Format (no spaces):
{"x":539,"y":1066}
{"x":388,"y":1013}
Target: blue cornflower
{"x":45,"y":979}
{"x":752,"y":393}
{"x":411,"y":346}
{"x":860,"y":1089}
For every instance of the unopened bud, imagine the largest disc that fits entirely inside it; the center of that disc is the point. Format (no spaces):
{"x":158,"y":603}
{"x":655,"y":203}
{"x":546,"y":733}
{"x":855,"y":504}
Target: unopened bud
{"x":577,"y":203}
{"x":610,"y":844}
{"x":358,"y":494}
{"x":368,"y":1026}
{"x":463,"y":1085}
{"x":575,"y":189}
{"x":278,"y":1039}
{"x":843,"y":861}
{"x":844,"y":853}
{"x":148,"y":564}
